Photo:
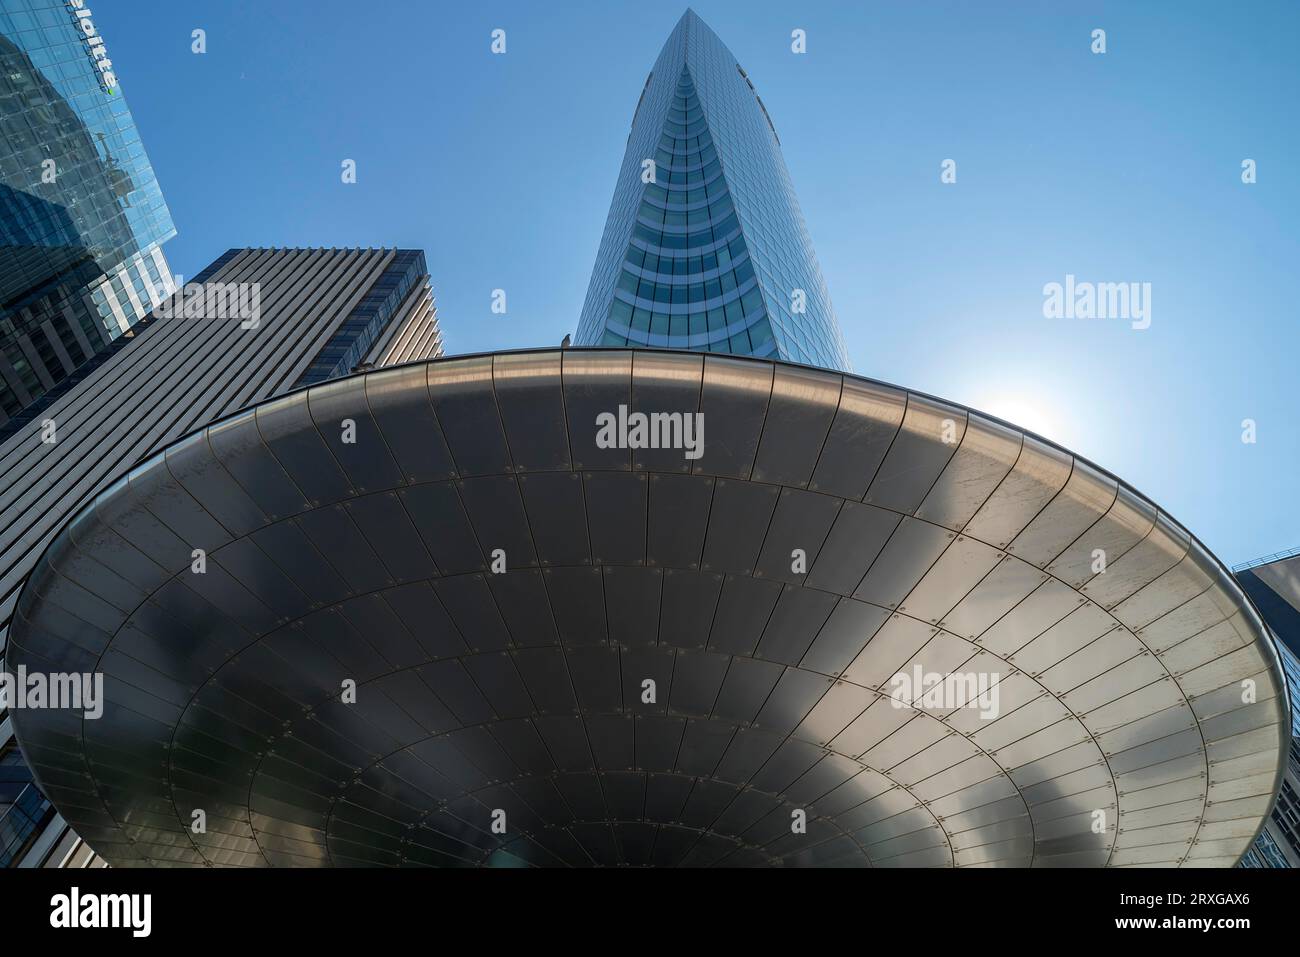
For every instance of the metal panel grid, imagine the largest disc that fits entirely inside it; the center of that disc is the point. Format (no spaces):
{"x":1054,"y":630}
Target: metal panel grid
{"x":640,"y":659}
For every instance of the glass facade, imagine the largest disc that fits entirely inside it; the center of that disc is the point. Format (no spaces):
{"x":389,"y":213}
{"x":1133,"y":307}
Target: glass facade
{"x":23,"y":809}
{"x":705,"y":247}
{"x":1274,"y":587}
{"x":81,"y":214}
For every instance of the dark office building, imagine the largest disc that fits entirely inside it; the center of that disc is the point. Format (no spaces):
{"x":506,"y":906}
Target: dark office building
{"x":254,"y":324}
{"x":81,"y":216}
{"x":1273,"y":584}
{"x":711,"y":253}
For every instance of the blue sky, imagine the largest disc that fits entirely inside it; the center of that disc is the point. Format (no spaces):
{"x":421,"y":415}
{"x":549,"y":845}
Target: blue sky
{"x":1121,"y":167}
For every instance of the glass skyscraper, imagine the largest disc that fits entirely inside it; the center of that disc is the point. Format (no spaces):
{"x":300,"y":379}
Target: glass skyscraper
{"x":81,"y":214}
{"x":705,"y":247}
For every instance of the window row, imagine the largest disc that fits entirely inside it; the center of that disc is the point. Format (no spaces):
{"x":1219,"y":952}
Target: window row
{"x":755,"y":340}
{"x":663,"y":240}
{"x":732,"y":315}
{"x":661,"y":195}
{"x":701,"y":216}
{"x":687,"y":266}
{"x":681,"y":293}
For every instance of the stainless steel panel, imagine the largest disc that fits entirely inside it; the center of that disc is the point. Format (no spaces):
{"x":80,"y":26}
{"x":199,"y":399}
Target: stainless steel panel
{"x":1039,"y":473}
{"x":834,"y":712}
{"x":404,"y":555}
{"x":985,"y":456}
{"x":679,"y":516}
{"x":1188,"y":620}
{"x":193,"y":464}
{"x":594,"y":383}
{"x":863,"y":428}
{"x":1080,"y":628}
{"x":963,"y":564}
{"x":1126,"y":523}
{"x":556,"y":508}
{"x":802,"y":521}
{"x":532,"y":410}
{"x":799,"y":416}
{"x":874,"y":725}
{"x":525,"y":607}
{"x":666,"y":384}
{"x":925,"y":443}
{"x":465,"y":403}
{"x":739,"y":518}
{"x":1162,"y":549}
{"x":398,"y":400}
{"x":795,"y":694}
{"x":851,"y":547}
{"x":440,"y":517}
{"x":647,"y":664}
{"x":798,"y":616}
{"x":496,"y":511}
{"x":895,"y":643}
{"x":1047,"y":605}
{"x":577,"y":601}
{"x":241,"y":451}
{"x":1087,"y":496}
{"x":741,"y":613}
{"x":903,"y":562}
{"x":1171,"y":590}
{"x":616,"y":516}
{"x":733,"y":405}
{"x":365,"y":459}
{"x":632,"y":596}
{"x":687,"y":605}
{"x":304,"y":452}
{"x":469,"y":604}
{"x":849,"y":627}
{"x":1111,"y":651}
{"x":1006,"y":586}
{"x":334,"y":534}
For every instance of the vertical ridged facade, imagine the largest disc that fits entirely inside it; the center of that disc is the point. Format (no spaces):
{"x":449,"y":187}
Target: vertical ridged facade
{"x":318,"y":310}
{"x":712,"y":253}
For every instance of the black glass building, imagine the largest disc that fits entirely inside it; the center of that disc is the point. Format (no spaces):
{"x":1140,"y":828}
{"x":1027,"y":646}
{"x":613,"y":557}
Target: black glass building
{"x":81,"y":216}
{"x":1273,"y":584}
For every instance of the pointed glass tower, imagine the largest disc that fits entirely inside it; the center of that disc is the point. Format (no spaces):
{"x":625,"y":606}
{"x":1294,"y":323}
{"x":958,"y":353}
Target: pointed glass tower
{"x":705,"y":247}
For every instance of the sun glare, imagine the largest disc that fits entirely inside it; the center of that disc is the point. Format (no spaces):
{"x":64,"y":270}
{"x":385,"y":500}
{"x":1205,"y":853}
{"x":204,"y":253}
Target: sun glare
{"x":1028,"y":412}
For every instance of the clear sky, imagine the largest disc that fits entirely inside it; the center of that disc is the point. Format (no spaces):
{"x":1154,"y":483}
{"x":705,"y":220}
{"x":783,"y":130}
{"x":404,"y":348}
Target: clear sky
{"x":1117,"y":167}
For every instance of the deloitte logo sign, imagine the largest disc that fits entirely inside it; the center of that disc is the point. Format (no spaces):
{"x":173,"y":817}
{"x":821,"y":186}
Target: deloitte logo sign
{"x":94,"y":44}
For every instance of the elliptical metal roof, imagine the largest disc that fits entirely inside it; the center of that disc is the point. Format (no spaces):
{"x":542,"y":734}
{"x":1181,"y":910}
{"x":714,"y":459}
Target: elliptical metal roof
{"x":1140,"y":712}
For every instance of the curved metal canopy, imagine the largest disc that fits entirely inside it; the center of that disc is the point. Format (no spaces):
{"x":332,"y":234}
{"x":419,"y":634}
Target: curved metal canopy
{"x":684,"y":659}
